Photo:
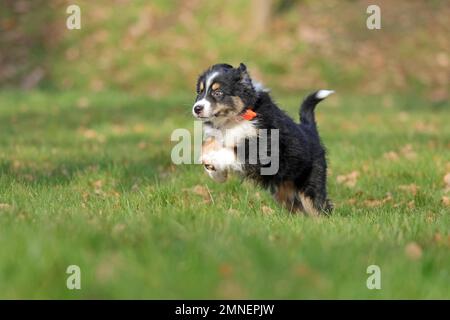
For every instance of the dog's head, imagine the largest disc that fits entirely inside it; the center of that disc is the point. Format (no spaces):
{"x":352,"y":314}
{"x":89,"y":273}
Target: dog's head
{"x":223,"y":92}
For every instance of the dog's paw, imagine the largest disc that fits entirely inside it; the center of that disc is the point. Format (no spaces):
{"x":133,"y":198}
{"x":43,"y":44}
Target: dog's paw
{"x":217,"y":175}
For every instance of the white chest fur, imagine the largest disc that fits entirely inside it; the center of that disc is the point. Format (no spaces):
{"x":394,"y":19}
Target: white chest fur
{"x":237,"y":133}
{"x":223,"y":156}
{"x":232,"y":135}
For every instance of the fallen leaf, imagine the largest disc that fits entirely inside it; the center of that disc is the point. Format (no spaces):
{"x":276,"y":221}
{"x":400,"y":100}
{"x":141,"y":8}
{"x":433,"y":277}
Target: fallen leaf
{"x":267,"y":210}
{"x":423,"y":127}
{"x":373,"y":203}
{"x":446,"y":201}
{"x":447,"y":182}
{"x":410,"y":188}
{"x":303,"y":270}
{"x":378,"y":202}
{"x":90,"y":134}
{"x":231,"y":289}
{"x":139,"y":128}
{"x":408,"y":152}
{"x":391,"y":155}
{"x":203,"y":192}
{"x":437,"y":238}
{"x":413,"y":251}
{"x":348,"y":180}
{"x":233,"y":212}
{"x":83,"y":103}
{"x":225,"y":270}
{"x":98,"y":184}
{"x":142,"y":145}
{"x":4,"y":206}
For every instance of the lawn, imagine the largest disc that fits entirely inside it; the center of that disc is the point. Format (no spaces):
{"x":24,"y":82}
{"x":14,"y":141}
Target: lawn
{"x":87,"y":180}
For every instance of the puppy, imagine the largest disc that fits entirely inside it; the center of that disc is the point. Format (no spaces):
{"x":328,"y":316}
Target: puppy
{"x":235,"y":112}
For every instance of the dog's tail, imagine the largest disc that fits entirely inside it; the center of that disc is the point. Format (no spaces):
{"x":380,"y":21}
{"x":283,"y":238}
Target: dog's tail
{"x":309,"y":104}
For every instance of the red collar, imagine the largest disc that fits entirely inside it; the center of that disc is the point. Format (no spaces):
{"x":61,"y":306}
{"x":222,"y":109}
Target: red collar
{"x":249,"y":114}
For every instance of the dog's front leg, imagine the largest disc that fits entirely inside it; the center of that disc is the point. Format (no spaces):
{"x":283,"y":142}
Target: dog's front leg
{"x":211,"y":158}
{"x":217,"y":175}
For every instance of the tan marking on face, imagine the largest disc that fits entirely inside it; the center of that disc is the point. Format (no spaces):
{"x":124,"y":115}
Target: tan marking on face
{"x":226,"y":115}
{"x":222,"y":110}
{"x":308,"y":205}
{"x":215,"y":86}
{"x":202,"y":86}
{"x":238,"y":103}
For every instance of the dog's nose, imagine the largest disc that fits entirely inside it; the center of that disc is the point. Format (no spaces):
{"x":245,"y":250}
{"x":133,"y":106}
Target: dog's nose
{"x":198,"y":109}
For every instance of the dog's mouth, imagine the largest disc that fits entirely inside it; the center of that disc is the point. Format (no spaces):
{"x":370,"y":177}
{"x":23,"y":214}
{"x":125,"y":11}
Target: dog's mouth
{"x":201,"y":117}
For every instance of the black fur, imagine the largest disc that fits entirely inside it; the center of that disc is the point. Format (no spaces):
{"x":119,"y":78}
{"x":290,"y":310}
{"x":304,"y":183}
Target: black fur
{"x":302,"y":163}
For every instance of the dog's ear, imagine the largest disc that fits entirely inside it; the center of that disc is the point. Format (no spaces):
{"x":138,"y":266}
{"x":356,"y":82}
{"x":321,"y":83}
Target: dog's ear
{"x":244,"y":76}
{"x":242,"y":67}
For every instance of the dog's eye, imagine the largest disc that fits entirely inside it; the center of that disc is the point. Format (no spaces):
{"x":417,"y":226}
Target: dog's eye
{"x":217,"y":93}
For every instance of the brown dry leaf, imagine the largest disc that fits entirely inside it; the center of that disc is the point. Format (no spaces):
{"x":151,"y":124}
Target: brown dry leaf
{"x":139,"y":128}
{"x":348,"y":180}
{"x":83,"y":103}
{"x":231,"y":289}
{"x":388,"y":197}
{"x":378,"y":202}
{"x":410,"y":188}
{"x":373,"y":203}
{"x":303,"y":270}
{"x":98,"y":184}
{"x":17,"y":164}
{"x":225,"y":270}
{"x":391,"y":155}
{"x":118,"y":129}
{"x":90,"y":134}
{"x":203,"y":192}
{"x":423,"y":127}
{"x":233,"y":212}
{"x":4,"y":206}
{"x":446,"y":201}
{"x":447,"y":182}
{"x":411,"y":204}
{"x":267,"y":210}
{"x":437,"y":238}
{"x":413,"y":251}
{"x":408,"y":152}
{"x":142,"y":145}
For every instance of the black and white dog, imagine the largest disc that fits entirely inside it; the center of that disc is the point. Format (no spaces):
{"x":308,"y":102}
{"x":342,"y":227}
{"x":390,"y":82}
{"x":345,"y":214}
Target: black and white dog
{"x":236,"y":109}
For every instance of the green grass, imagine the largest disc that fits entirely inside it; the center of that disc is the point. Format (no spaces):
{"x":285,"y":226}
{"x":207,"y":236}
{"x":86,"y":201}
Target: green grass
{"x":88,"y":180}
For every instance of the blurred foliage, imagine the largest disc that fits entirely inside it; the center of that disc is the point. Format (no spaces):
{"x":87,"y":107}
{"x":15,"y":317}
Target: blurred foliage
{"x":158,"y":46}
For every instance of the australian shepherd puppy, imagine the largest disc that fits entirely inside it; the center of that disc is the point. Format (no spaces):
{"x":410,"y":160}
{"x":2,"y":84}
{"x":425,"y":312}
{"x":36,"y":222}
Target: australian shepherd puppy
{"x":235,"y":112}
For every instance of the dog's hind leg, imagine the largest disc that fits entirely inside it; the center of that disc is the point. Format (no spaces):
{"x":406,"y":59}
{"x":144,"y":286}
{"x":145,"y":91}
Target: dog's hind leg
{"x":308,"y":205}
{"x":285,"y":195}
{"x":313,"y":194}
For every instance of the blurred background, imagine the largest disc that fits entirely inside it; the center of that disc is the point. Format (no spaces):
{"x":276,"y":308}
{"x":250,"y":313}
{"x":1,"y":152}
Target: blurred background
{"x":158,"y":47}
